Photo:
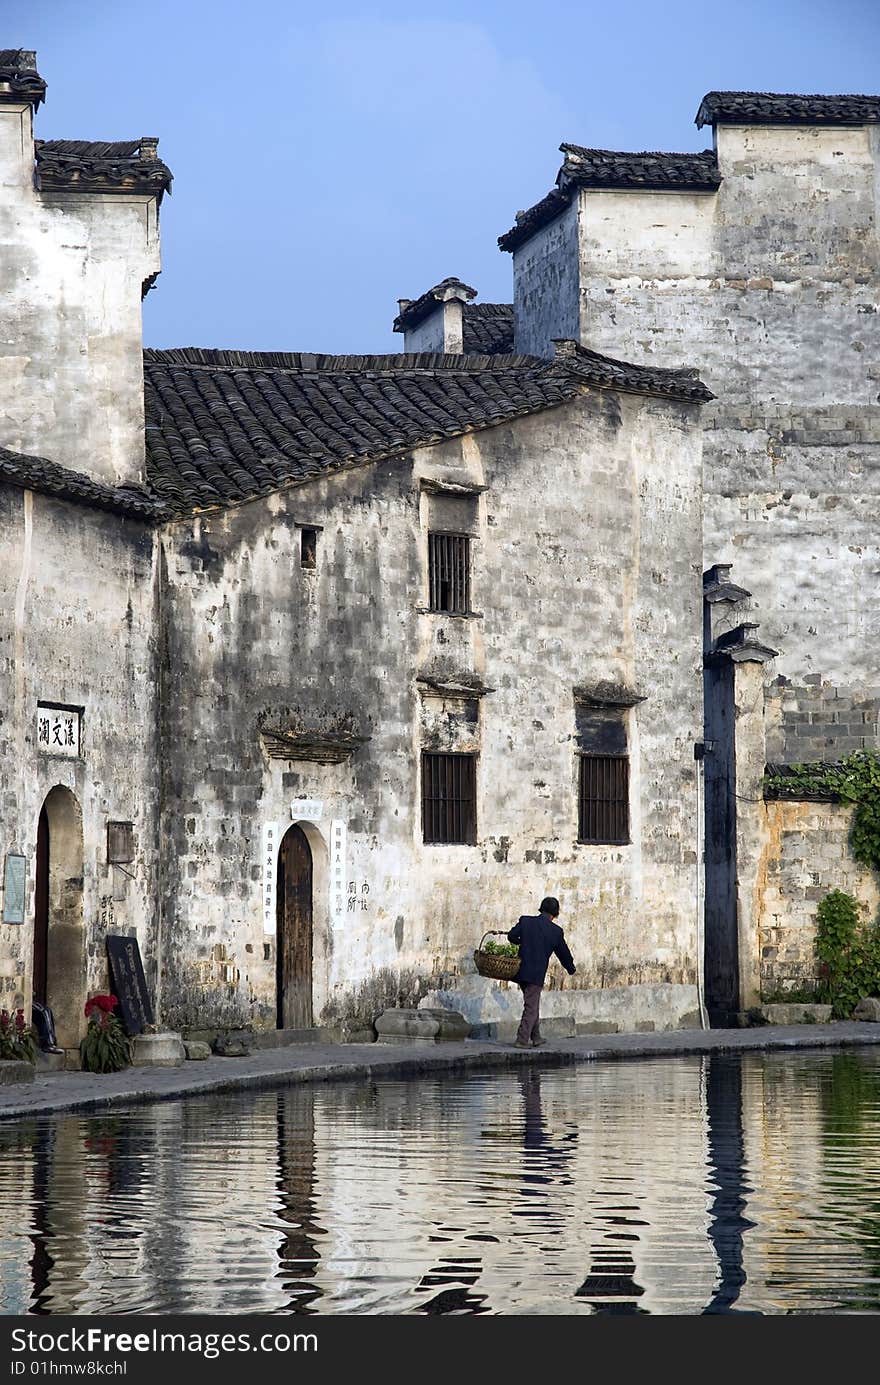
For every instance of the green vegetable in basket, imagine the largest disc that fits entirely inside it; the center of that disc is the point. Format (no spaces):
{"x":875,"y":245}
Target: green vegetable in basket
{"x":502,"y":949}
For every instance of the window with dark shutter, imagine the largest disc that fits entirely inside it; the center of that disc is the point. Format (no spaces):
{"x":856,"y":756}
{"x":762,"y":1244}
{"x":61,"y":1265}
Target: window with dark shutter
{"x":449,"y":573}
{"x":449,"y":798}
{"x":603,"y":800}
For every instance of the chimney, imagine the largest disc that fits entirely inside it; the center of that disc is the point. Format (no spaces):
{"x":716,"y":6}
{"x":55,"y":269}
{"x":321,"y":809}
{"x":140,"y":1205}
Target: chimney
{"x":435,"y":322}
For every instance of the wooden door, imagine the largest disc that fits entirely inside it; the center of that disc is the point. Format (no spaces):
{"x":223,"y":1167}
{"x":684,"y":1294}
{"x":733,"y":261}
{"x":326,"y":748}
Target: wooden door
{"x":41,"y":910}
{"x":293,"y":941}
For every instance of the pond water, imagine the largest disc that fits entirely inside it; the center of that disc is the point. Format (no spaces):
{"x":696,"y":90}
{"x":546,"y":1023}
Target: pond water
{"x":743,"y":1184}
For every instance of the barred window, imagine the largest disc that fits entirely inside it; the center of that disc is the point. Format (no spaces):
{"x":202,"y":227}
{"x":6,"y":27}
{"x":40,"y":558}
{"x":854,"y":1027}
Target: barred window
{"x":449,"y":561}
{"x":603,"y":800}
{"x":449,"y":798}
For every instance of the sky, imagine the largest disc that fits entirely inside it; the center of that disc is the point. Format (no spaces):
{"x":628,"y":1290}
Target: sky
{"x":331,"y":158}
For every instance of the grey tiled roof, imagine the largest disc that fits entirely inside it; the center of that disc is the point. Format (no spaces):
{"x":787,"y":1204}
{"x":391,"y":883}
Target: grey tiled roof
{"x":76,"y":165}
{"x":488,"y":328}
{"x":228,"y":426}
{"x":19,"y":76}
{"x":38,"y":474}
{"x":778,"y":108}
{"x":611,"y":169}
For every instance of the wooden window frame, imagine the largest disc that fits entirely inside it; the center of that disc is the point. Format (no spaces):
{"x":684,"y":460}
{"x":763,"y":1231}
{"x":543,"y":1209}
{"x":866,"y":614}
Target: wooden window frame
{"x":603,"y":816}
{"x":449,"y":798}
{"x":449,"y":564}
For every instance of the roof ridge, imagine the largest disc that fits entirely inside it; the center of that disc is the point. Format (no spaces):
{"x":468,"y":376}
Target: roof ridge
{"x":317,"y":363}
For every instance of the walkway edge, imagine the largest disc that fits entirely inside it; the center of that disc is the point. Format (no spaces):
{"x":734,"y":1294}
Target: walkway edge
{"x":77,"y":1091}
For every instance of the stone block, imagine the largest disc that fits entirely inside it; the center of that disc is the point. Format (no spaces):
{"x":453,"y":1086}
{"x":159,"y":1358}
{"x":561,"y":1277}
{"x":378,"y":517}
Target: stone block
{"x":868,"y":1009}
{"x":157,"y":1050}
{"x":644,"y":1026}
{"x":795,"y":1012}
{"x":502,"y":1031}
{"x":196,"y":1050}
{"x":406,"y":1027}
{"x":11,"y":1070}
{"x":452,"y":1024}
{"x":558,"y":1027}
{"x":232,"y":1045}
{"x":598,"y":1027}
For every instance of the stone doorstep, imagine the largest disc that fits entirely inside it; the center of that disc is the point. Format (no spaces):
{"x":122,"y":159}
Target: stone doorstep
{"x":163,"y":1050}
{"x":796,"y":1013}
{"x":421,"y":1026}
{"x":12,"y":1070}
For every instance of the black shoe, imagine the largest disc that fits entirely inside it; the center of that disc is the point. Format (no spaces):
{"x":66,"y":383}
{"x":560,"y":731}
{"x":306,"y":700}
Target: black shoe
{"x":538,"y":1043}
{"x":518,"y":1043}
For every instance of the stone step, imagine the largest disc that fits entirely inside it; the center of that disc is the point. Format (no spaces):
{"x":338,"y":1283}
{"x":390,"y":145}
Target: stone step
{"x":796,"y":1012}
{"x":504,"y":1031}
{"x":50,"y":1062}
{"x":235,"y":1042}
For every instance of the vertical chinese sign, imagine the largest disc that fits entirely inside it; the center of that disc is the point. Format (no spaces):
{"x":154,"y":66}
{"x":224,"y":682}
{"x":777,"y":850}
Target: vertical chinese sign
{"x":338,"y":833}
{"x":270,"y":866}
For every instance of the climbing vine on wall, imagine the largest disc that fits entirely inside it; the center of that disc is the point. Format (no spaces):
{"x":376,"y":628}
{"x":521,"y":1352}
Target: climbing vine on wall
{"x":853,"y":780}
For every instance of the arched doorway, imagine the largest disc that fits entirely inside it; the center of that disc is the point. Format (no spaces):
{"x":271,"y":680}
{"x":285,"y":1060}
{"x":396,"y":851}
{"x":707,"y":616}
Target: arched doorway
{"x":293,"y":942}
{"x":58,"y":961}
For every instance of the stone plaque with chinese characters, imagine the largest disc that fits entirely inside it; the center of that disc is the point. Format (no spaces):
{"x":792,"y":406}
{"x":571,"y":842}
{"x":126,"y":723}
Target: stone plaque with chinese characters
{"x":307,"y":809}
{"x":58,"y":730}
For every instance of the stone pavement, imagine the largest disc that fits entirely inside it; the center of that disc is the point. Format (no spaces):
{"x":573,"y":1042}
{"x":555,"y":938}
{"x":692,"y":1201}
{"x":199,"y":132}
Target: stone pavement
{"x":71,"y":1091}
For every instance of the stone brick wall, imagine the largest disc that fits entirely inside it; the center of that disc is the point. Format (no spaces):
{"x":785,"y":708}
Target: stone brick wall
{"x":806,"y":856}
{"x":817,"y":720}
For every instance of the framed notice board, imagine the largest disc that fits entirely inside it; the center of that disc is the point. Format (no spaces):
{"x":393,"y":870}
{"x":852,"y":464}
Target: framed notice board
{"x":14,"y":886}
{"x":129,"y":983}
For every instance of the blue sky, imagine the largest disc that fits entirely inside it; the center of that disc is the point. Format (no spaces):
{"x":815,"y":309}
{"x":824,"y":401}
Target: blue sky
{"x":329,"y":160}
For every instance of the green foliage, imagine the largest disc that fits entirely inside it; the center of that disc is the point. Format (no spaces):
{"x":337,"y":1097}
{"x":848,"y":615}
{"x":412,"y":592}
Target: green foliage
{"x":854,"y":780}
{"x":17,"y":1038}
{"x":848,"y":953}
{"x":502,"y":949}
{"x":105,"y":1047}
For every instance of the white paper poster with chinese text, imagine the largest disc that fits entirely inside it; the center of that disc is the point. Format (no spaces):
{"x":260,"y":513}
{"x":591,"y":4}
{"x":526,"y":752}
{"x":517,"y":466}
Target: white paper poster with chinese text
{"x":270,"y":868}
{"x":338,"y":887}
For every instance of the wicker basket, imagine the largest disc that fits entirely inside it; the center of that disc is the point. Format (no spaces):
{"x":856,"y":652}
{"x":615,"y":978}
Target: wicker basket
{"x":496,"y":965}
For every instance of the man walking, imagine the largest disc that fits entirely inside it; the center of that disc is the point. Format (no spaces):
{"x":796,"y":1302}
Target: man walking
{"x":538,"y":937}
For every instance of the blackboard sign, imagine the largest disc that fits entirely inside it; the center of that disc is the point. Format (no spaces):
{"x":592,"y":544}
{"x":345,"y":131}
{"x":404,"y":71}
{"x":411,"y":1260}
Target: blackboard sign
{"x":129,"y":983}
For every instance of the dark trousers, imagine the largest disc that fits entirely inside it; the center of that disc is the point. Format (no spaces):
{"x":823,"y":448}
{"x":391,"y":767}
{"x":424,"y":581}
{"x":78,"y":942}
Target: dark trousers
{"x":530,"y":1024}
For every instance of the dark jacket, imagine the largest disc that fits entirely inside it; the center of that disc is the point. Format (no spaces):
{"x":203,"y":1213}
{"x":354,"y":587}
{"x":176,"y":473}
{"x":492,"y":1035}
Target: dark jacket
{"x":539,"y":937}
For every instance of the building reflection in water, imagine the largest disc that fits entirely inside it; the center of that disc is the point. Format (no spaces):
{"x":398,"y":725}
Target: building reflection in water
{"x":708,"y":1186}
{"x":298,"y":1256}
{"x":726,"y":1160}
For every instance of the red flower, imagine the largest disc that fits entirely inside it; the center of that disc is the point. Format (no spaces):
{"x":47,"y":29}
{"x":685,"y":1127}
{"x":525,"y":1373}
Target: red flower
{"x":105,"y":1003}
{"x":19,"y":1020}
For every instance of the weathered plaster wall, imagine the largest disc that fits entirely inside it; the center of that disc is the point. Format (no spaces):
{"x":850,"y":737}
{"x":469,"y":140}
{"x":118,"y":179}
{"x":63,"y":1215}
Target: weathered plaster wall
{"x":546,"y":300}
{"x":770,"y":287}
{"x":71,"y":270}
{"x":807,"y":855}
{"x":250,"y":636}
{"x":76,"y":628}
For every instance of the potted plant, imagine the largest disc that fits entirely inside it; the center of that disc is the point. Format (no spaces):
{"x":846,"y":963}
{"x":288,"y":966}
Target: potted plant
{"x":17,"y":1039}
{"x":105,"y":1047}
